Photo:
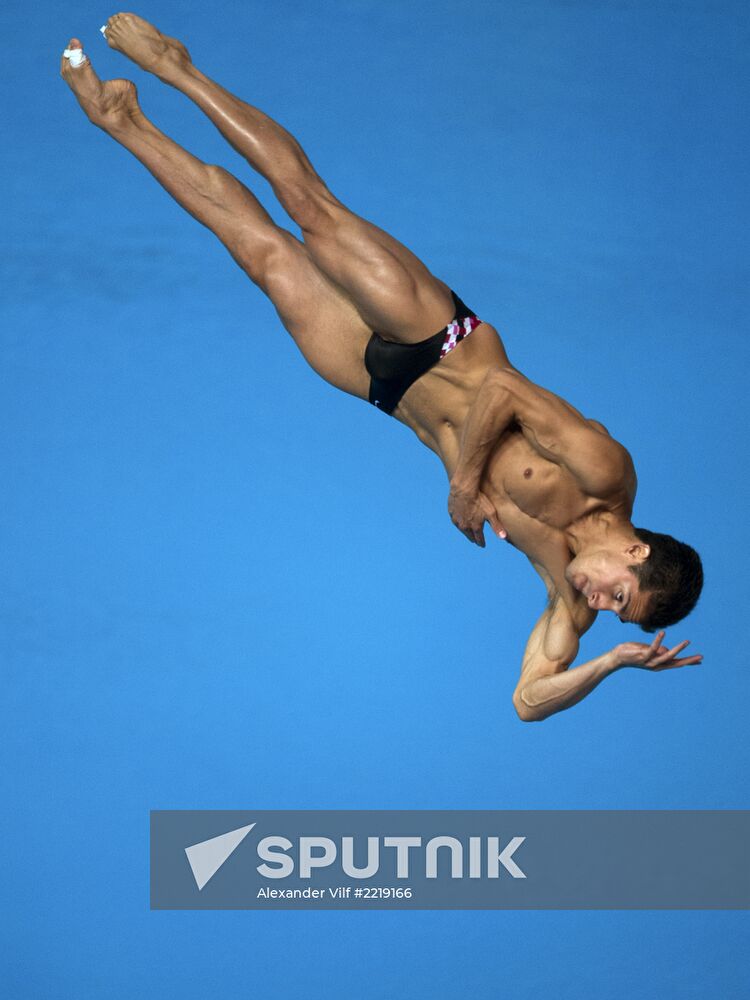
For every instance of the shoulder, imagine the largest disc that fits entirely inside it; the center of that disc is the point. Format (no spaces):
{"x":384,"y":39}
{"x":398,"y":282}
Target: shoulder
{"x":615,"y":469}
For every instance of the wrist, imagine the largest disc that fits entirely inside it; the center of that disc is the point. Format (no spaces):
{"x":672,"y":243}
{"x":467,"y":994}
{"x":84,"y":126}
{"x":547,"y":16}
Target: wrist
{"x":613,"y":661}
{"x":463,"y":485}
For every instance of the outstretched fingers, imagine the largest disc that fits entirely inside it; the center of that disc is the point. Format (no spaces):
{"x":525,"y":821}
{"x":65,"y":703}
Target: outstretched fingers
{"x":671,"y":653}
{"x":684,"y":662}
{"x":667,"y":659}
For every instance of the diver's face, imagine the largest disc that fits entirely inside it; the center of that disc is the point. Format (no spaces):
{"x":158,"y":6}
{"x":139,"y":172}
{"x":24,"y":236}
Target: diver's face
{"x":608,"y":584}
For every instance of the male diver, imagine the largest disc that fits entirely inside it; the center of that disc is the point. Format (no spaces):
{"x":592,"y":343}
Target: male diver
{"x":364,"y":312}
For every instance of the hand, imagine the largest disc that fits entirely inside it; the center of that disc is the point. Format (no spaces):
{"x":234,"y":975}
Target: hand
{"x":653,"y":657}
{"x":469,"y":512}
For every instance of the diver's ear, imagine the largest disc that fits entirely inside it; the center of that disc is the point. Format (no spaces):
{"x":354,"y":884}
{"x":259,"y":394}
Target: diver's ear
{"x":638,"y":551}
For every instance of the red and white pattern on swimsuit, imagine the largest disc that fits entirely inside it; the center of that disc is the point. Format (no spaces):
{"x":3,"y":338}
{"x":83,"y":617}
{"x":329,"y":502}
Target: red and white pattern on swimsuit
{"x":456,"y":332}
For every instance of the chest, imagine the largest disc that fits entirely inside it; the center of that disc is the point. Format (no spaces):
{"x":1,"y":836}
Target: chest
{"x":539,"y":489}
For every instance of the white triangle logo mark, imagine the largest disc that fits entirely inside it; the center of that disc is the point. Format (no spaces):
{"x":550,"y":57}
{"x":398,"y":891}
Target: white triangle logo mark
{"x":207,"y":857}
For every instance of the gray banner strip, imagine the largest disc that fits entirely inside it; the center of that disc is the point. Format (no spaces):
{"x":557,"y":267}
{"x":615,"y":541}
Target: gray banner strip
{"x":445,"y":859}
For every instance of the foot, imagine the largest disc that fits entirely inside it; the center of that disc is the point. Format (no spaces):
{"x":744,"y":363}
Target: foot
{"x":107,"y":103}
{"x":145,"y":45}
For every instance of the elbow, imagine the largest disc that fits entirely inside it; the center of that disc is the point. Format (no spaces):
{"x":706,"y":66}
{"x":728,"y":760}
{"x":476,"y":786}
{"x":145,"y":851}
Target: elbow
{"x":502,"y":390}
{"x":525,"y":712}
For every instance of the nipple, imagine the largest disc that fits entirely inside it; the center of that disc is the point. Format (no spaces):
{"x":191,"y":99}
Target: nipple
{"x":527,"y":473}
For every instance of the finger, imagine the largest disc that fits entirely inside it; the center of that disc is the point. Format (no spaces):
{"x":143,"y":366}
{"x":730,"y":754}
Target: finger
{"x":496,"y":524}
{"x":686,"y":661}
{"x":679,"y":647}
{"x":488,"y":508}
{"x":475,"y":525}
{"x":669,"y":654}
{"x":470,"y":534}
{"x":654,"y":647}
{"x":498,"y":528}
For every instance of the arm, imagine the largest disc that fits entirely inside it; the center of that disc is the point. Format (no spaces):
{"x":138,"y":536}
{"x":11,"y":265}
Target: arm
{"x":547,"y":685}
{"x":488,"y":419}
{"x":554,"y":428}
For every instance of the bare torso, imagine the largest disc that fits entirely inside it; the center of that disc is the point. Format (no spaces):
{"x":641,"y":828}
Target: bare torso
{"x":536,"y":500}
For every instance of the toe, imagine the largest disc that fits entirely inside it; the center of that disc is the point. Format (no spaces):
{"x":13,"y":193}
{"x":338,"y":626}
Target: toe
{"x":109,"y":30}
{"x":78,"y":72}
{"x":64,"y":59}
{"x":74,"y":55}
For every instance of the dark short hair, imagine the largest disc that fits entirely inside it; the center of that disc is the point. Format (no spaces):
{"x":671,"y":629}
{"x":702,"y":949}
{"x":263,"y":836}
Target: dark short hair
{"x":672,"y":576}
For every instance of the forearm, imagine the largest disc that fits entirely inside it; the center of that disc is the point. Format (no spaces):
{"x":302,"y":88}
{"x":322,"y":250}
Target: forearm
{"x":544,"y":696}
{"x":491,"y":414}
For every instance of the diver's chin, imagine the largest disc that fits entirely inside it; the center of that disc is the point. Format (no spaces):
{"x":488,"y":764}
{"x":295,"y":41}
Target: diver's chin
{"x":581,"y":583}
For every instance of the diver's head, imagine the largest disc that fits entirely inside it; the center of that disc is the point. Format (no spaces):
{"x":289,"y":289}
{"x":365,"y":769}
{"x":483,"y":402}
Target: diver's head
{"x":642,"y":576}
{"x":671,"y":577}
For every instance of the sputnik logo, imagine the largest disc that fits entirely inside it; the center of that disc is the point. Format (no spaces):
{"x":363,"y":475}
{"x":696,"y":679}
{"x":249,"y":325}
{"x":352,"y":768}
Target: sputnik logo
{"x":207,"y":857}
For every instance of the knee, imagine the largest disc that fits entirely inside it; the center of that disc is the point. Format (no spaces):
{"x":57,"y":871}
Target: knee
{"x":306,"y":200}
{"x":257,"y":255}
{"x":218,"y":182}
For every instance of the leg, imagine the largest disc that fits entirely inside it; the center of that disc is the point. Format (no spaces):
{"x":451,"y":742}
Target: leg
{"x":323,"y":323}
{"x":392,"y":289}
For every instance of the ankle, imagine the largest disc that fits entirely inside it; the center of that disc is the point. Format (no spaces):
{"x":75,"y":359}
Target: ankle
{"x":182,"y":75}
{"x":120,"y":122}
{"x":173,"y":67}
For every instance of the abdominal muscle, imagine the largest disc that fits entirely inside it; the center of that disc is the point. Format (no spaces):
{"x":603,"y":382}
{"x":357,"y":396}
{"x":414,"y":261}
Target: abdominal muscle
{"x":437,"y":404}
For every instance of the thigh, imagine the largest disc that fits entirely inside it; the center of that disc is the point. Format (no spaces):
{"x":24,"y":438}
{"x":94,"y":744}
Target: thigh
{"x":321,"y":319}
{"x":393,"y":291}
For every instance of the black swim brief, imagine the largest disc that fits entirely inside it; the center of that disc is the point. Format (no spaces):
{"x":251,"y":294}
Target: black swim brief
{"x":394,"y":367}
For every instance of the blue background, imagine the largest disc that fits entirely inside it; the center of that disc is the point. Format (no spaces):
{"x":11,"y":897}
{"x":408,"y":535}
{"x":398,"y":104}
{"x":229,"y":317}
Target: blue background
{"x":227,"y":585}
